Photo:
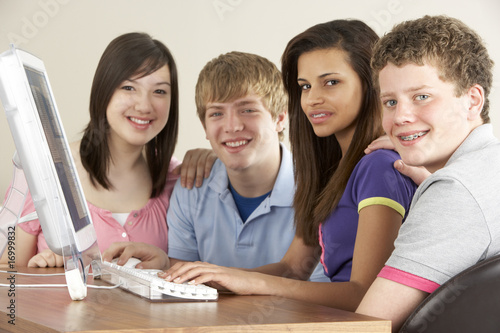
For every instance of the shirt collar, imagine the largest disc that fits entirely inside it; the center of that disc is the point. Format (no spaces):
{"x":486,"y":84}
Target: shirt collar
{"x":480,"y":137}
{"x":284,"y":186}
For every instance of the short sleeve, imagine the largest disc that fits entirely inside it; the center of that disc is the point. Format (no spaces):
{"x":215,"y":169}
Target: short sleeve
{"x":444,"y":233}
{"x":182,"y":242}
{"x":376,"y":182}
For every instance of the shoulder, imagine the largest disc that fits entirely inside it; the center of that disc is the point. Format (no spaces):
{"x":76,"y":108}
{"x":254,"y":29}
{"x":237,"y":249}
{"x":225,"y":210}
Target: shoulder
{"x":217,"y":175}
{"x":174,"y":163}
{"x":381,"y":159}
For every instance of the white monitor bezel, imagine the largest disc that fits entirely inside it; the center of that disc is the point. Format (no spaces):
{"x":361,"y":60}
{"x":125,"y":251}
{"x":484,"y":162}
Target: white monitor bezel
{"x":34,"y":152}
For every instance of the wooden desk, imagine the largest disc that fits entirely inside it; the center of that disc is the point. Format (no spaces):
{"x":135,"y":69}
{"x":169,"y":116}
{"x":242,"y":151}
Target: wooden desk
{"x":52,"y":310}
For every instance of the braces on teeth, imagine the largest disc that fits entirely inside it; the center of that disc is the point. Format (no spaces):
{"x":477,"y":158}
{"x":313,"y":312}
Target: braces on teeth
{"x":412,"y":137}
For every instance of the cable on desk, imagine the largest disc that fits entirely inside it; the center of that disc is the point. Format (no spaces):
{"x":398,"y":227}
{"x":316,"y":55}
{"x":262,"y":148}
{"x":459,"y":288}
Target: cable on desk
{"x":58,"y":286}
{"x":31,"y":274}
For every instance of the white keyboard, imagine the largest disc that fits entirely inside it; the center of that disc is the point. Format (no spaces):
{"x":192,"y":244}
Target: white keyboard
{"x":147,"y":284}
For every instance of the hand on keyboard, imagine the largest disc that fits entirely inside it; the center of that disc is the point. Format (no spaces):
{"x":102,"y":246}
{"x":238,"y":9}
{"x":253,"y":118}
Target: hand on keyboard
{"x":222,"y":278}
{"x":151,"y":257}
{"x":146,"y":283}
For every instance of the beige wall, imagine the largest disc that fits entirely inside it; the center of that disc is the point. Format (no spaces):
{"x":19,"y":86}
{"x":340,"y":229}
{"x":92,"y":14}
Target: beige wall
{"x":70,"y":35}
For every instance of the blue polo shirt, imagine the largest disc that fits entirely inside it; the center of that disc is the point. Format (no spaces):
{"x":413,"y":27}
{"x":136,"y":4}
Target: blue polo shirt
{"x":204,"y":223}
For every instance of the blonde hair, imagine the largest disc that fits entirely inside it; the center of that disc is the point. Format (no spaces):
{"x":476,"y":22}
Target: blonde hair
{"x":236,"y":74}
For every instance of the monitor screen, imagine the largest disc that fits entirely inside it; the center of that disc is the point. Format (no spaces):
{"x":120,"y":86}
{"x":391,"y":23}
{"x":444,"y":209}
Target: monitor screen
{"x":55,"y":139}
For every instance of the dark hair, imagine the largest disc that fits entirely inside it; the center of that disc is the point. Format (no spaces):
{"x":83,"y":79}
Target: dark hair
{"x":320,"y":175}
{"x":129,"y":55}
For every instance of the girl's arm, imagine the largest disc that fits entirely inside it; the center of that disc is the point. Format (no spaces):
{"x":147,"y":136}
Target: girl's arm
{"x":25,"y":252}
{"x":299,"y":261}
{"x":196,"y":166}
{"x":377,"y":229}
{"x":26,"y":245}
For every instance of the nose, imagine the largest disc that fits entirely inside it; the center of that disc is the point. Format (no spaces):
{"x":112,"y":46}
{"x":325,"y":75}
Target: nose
{"x":143,"y":103}
{"x":233,"y":123}
{"x":403,"y":114}
{"x":313,"y":96}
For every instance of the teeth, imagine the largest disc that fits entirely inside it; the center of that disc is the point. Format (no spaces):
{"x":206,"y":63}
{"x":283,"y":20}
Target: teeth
{"x":317,"y":115}
{"x":413,"y":137}
{"x":236,"y":143}
{"x":139,"y":121}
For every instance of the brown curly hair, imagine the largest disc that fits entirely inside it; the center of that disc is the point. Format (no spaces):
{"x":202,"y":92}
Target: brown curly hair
{"x":456,"y":50}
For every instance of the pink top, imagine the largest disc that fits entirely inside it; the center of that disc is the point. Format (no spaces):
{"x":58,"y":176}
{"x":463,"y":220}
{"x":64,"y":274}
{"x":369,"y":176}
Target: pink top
{"x":408,"y":279}
{"x":148,"y":224}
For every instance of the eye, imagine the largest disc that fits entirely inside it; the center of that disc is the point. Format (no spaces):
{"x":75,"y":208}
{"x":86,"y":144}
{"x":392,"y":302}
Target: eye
{"x":332,"y":82}
{"x":305,"y":86}
{"x":248,"y":111}
{"x":422,"y":97}
{"x":129,"y":88}
{"x":160,"y":91}
{"x":390,"y":103}
{"x":214,"y":114}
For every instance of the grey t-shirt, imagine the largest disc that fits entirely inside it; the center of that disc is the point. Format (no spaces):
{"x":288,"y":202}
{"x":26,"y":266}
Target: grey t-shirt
{"x":454,"y":219}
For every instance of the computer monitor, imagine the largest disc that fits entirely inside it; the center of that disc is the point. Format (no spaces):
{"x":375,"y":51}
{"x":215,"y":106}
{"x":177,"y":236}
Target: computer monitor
{"x":45,"y":155}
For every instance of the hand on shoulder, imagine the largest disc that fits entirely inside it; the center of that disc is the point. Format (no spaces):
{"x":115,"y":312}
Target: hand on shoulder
{"x":196,"y":166}
{"x":417,"y":174}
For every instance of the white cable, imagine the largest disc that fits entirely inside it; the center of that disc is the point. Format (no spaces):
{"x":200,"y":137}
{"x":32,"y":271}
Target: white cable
{"x":57,"y":286}
{"x":49,"y":285}
{"x":34,"y":285}
{"x":32,"y":274}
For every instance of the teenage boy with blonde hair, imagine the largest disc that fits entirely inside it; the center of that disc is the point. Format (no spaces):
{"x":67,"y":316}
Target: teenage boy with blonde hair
{"x":242,"y":215}
{"x":434,"y":76}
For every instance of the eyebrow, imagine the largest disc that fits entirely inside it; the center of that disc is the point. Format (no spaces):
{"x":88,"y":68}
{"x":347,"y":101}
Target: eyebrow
{"x":217,"y":106}
{"x":411,"y":89}
{"x":320,"y":76}
{"x":156,"y":84}
{"x":245,"y":102}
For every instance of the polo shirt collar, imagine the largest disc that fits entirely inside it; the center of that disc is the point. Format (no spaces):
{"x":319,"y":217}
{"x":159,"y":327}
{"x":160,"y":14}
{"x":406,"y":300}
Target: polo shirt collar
{"x":480,"y":137}
{"x":284,"y":186}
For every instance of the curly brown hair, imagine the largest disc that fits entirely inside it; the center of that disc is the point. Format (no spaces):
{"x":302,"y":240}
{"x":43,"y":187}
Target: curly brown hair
{"x":447,"y":43}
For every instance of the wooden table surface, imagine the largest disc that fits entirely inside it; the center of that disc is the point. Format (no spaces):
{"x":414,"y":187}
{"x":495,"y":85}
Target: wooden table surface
{"x":52,"y":310}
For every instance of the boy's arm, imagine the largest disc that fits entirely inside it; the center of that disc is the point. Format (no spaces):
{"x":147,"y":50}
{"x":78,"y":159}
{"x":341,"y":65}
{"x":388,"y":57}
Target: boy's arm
{"x":391,"y":300}
{"x":182,"y":239}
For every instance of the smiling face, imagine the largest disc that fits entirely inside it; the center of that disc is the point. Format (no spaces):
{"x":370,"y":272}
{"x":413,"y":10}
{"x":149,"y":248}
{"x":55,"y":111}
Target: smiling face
{"x":242,"y":132}
{"x":139,"y":108}
{"x":422,"y":115}
{"x":332,"y":93}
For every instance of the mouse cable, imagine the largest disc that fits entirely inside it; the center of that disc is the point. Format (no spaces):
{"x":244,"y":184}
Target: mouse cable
{"x":58,"y":286}
{"x":31,"y":274}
